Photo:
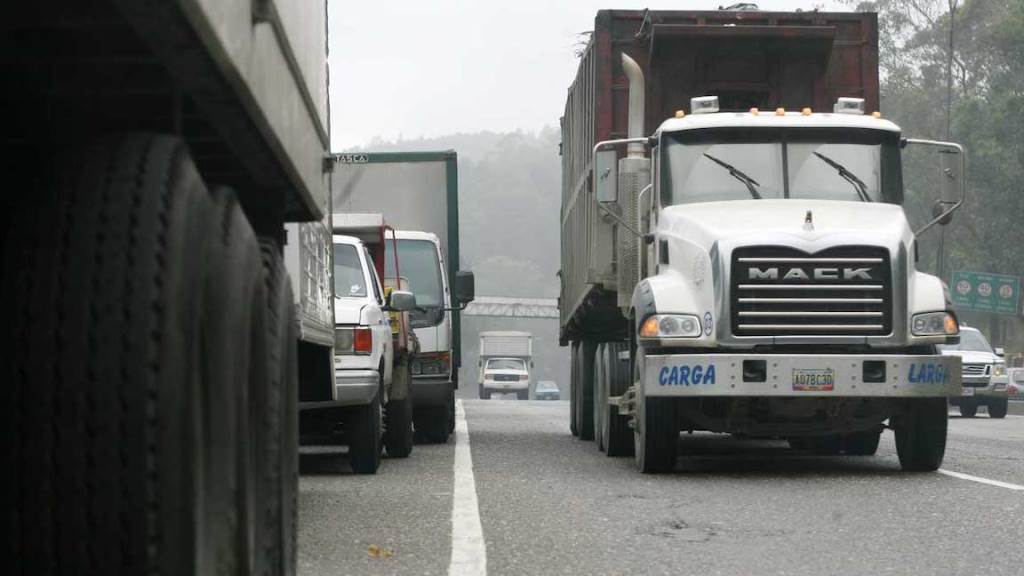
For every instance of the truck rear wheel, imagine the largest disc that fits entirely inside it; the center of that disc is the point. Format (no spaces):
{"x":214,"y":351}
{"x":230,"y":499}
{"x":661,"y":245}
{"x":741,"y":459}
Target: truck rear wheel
{"x":364,"y":437}
{"x":573,"y":377}
{"x":998,"y":407}
{"x":600,"y":393}
{"x":921,"y":434}
{"x":584,"y":396}
{"x":615,"y":430}
{"x":136,"y":307}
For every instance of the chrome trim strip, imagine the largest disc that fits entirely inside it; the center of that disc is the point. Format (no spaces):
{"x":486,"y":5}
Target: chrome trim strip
{"x":853,"y":314}
{"x":811,"y":300}
{"x":813,"y":260}
{"x":801,"y":327}
{"x":810,"y":286}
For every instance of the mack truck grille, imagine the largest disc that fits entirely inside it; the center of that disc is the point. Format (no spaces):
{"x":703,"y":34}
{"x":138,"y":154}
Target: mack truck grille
{"x":779,"y":291}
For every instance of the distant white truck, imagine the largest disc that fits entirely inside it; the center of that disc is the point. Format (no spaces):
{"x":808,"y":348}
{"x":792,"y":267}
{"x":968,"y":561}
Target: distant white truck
{"x":505,"y":364}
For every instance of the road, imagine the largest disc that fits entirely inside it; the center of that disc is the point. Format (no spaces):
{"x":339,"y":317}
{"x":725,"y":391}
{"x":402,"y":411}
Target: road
{"x":548,"y":503}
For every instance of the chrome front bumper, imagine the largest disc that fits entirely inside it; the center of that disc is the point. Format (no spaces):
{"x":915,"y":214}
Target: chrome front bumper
{"x":825,"y":375}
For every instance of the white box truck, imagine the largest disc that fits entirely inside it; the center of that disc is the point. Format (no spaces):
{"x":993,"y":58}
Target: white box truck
{"x":505,"y":364}
{"x":417,"y":192}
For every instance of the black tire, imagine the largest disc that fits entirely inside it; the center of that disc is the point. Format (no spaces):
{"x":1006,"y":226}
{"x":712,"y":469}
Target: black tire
{"x":921,"y":434}
{"x":618,"y":436}
{"x":574,"y":371}
{"x":998,"y":407}
{"x":656,"y":436}
{"x":277,"y":418}
{"x":398,"y":429}
{"x":863,"y":443}
{"x":523,"y":395}
{"x":585,"y":390}
{"x":484,"y":393}
{"x":600,"y":394}
{"x":433,"y":424}
{"x":968,"y":407}
{"x":364,"y":437}
{"x":451,"y":411}
{"x":130,"y":367}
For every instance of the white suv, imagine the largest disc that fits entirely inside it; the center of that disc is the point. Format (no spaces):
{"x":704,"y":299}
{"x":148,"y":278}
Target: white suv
{"x":984,"y":374}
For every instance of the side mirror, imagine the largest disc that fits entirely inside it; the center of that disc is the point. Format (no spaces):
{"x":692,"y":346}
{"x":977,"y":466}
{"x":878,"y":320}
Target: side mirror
{"x":401,"y":301}
{"x":465,"y":287}
{"x":952,"y":186}
{"x":1000,"y":351}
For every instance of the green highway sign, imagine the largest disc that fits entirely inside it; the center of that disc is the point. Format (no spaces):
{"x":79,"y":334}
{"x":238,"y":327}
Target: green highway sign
{"x":982,"y":292}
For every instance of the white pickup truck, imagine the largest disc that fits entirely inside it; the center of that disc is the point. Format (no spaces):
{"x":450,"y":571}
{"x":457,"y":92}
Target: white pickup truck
{"x":363,"y":366}
{"x":984,"y":375}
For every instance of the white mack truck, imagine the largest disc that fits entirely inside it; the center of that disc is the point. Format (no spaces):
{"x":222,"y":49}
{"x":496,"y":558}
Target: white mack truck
{"x":748,"y":268}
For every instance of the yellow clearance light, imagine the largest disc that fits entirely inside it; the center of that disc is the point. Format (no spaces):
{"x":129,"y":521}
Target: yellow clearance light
{"x":951,"y":326}
{"x":806,"y":111}
{"x":876,"y":115}
{"x":780,"y":111}
{"x":649,"y":329}
{"x":680,"y":114}
{"x":754,"y":111}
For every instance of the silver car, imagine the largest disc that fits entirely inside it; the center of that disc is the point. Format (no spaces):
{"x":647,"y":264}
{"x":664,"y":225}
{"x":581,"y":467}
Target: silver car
{"x":984,"y":374}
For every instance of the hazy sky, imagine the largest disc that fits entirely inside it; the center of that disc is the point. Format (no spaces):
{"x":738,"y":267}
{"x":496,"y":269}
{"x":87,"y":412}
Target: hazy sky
{"x":408,"y":68}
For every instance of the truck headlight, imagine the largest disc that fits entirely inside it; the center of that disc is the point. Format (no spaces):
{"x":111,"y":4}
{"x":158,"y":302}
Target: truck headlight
{"x":935,"y":324}
{"x":999,"y":370}
{"x":670,"y":326}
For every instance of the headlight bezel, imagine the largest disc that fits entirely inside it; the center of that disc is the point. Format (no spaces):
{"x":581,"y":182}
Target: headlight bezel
{"x":938,"y":323}
{"x":670,"y":327}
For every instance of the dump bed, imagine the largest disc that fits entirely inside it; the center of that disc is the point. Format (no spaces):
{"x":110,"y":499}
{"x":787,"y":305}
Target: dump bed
{"x":747,"y":59}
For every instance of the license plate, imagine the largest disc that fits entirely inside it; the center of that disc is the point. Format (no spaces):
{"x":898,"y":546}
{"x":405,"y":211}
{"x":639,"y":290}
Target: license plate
{"x":967,"y":392}
{"x":814,"y":379}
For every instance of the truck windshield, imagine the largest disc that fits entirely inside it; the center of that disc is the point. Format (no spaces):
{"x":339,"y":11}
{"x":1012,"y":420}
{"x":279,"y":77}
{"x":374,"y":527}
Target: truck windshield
{"x":418,"y":262}
{"x":506,"y":364}
{"x":969,"y":342}
{"x":712,"y":165}
{"x":349,"y":279}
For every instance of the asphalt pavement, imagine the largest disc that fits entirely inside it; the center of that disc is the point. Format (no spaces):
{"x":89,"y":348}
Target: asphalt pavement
{"x":551,"y":504}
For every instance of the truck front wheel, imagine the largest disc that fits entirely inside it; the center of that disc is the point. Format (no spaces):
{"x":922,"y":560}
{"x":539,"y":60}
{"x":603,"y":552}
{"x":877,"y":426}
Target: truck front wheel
{"x":921,"y":434}
{"x":968,"y":407}
{"x":655,"y":435}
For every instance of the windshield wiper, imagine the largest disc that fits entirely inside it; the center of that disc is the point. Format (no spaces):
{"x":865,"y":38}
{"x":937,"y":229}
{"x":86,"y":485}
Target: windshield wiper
{"x":858,"y":184}
{"x":735,"y":172}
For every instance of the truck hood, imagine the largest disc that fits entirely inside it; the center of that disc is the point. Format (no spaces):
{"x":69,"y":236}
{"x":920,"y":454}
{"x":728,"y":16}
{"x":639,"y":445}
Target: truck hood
{"x":708,"y":222}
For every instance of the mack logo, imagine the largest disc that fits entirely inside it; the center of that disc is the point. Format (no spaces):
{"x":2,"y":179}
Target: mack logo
{"x":754,"y":273}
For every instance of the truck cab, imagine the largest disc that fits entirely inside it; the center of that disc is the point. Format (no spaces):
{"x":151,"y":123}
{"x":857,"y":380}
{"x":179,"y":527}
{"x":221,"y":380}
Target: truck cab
{"x":432,"y":388}
{"x":985,"y":376}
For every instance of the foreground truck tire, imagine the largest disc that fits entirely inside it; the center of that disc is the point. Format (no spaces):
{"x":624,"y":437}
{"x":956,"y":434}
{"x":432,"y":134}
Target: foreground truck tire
{"x":574,"y":374}
{"x":582,"y":401}
{"x":921,"y":435}
{"x":133,"y":351}
{"x":277,"y":422}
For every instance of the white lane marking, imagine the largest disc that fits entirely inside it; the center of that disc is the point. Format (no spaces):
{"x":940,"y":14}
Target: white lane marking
{"x":963,"y":476}
{"x":469,"y":551}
